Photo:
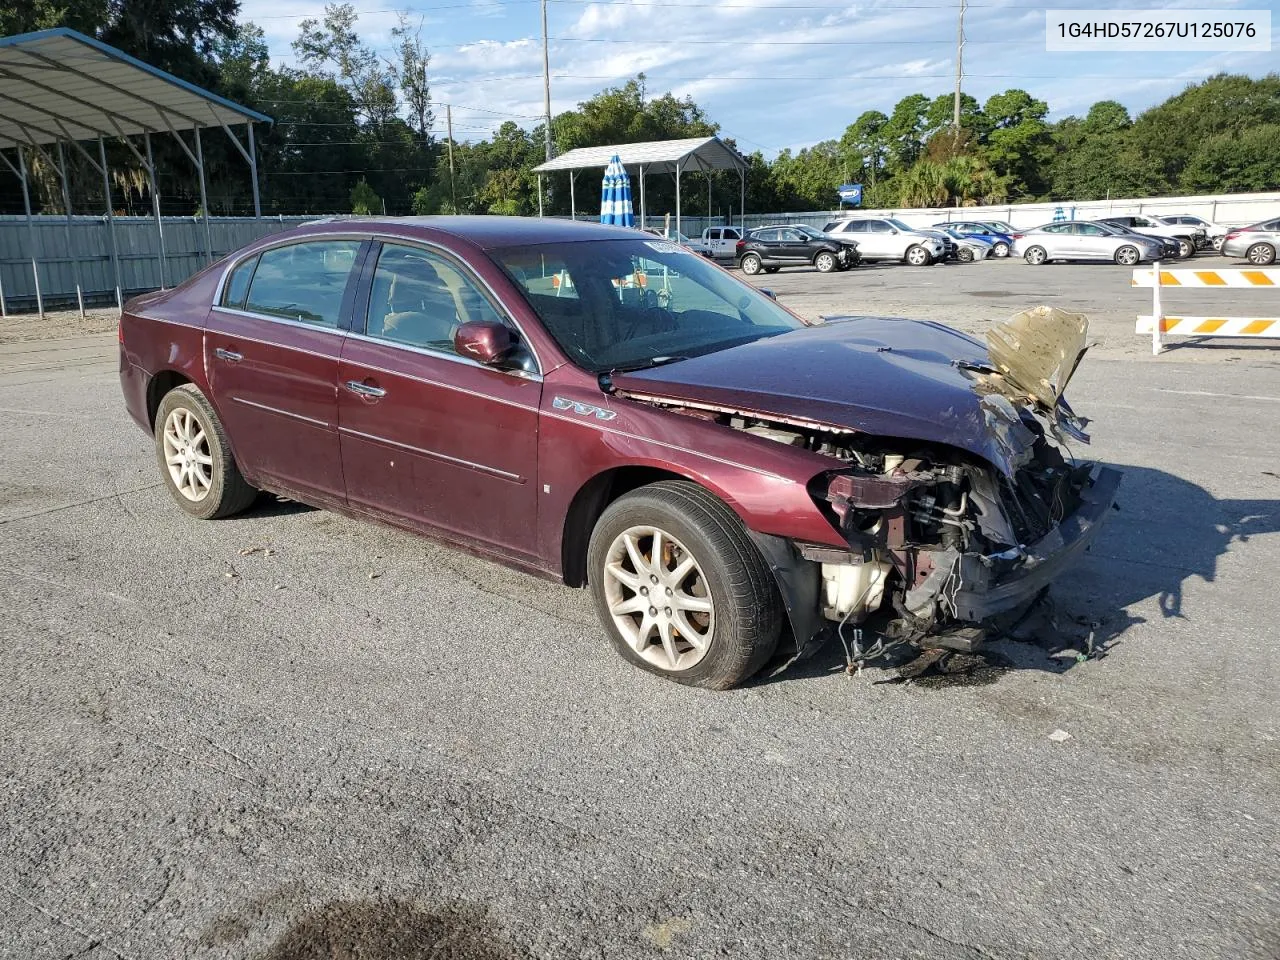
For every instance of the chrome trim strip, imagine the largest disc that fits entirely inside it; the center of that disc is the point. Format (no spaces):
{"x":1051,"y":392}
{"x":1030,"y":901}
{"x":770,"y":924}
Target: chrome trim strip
{"x":593,"y":425}
{"x":447,"y":386}
{"x":502,"y":474}
{"x":285,"y":321}
{"x":441,"y":355}
{"x":283,"y":413}
{"x":270,"y":343}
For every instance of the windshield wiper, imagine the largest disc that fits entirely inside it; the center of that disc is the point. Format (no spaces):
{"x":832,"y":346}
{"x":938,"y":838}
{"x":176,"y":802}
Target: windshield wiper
{"x":647,"y":364}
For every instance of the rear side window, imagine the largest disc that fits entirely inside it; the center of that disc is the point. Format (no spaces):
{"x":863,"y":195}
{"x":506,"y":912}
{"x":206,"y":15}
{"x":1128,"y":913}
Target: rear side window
{"x":237,"y":285}
{"x":303,"y":281}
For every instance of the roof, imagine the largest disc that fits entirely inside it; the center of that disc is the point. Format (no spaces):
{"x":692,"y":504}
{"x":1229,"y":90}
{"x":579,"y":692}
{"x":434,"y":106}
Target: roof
{"x":486,"y":232}
{"x":656,"y":156}
{"x":62,"y":85}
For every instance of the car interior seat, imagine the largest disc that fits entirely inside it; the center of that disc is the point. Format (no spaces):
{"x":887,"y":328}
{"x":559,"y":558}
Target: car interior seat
{"x":419,"y":309}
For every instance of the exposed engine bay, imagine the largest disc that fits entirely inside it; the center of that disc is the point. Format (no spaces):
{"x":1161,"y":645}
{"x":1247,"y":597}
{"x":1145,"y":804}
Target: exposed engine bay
{"x":934,"y":532}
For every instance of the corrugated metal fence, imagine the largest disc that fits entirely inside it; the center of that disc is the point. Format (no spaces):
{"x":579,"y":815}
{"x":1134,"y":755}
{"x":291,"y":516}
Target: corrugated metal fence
{"x":84,"y":249}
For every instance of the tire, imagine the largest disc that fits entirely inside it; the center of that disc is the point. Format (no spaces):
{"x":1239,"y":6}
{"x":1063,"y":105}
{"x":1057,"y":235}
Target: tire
{"x":188,"y":431}
{"x":1001,"y":249}
{"x":750,"y":264}
{"x":824,"y":261}
{"x":739,"y":631}
{"x":964,"y":255}
{"x":918,"y":256}
{"x":1217,"y":242}
{"x":1036,"y":256}
{"x":1128,"y":256}
{"x":1186,"y":249}
{"x":1261,"y":254}
{"x":772,"y":269}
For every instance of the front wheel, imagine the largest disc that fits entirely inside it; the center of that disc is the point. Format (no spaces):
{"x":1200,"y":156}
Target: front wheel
{"x":681,"y":588}
{"x":825,"y":262}
{"x":1001,"y":249}
{"x":772,"y":269}
{"x":1217,"y":242}
{"x":1127,"y":256}
{"x":1261,"y":254}
{"x":195,"y":458}
{"x":750,"y":264}
{"x":964,"y":255}
{"x":1036,"y":256}
{"x":1186,"y":249}
{"x":918,"y":256}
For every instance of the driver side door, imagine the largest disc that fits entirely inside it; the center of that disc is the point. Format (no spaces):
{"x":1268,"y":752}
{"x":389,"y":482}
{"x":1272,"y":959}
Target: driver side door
{"x":431,"y":439}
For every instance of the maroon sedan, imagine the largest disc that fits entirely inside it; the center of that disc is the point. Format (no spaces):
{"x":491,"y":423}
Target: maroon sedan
{"x":605,"y":408}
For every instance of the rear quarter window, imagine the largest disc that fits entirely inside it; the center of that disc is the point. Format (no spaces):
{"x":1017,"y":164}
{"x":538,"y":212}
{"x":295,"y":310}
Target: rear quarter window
{"x":237,"y":285}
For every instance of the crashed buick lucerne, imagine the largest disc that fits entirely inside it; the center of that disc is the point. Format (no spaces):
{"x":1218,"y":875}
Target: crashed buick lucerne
{"x":606,"y":409}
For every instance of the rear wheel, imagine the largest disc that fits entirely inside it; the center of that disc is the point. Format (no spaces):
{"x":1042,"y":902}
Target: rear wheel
{"x":1261,"y":254}
{"x":825,"y":261}
{"x":1128,"y":255}
{"x":681,"y":588}
{"x":918,"y":256}
{"x":750,"y":264}
{"x":1217,"y":242}
{"x":195,"y":458}
{"x":1036,"y":256}
{"x":1001,"y":249}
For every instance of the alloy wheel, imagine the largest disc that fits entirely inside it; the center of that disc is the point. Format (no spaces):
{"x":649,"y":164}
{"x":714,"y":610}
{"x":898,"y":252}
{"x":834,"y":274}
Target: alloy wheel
{"x":658,"y":598}
{"x":1001,"y":249}
{"x":1036,"y":256}
{"x":187,"y":454}
{"x":1261,"y":255}
{"x":1128,"y":256}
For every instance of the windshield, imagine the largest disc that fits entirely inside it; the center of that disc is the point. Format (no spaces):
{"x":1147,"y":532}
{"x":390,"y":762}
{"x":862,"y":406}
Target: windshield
{"x":900,"y":225}
{"x":809,"y":231}
{"x":630,"y":304}
{"x":999,"y":226}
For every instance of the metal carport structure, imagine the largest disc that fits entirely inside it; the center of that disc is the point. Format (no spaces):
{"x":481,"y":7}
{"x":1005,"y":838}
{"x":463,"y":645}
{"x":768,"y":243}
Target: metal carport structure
{"x":653,"y":156}
{"x":59,"y":87}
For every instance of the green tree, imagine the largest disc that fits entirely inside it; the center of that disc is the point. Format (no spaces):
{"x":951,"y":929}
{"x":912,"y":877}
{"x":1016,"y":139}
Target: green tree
{"x":364,"y":199}
{"x":863,"y":146}
{"x":904,"y":131}
{"x":1236,"y":162}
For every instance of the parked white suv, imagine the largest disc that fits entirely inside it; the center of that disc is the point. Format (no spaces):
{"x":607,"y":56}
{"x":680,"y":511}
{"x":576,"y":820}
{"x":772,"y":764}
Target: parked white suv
{"x":1189,"y":239}
{"x":1214,"y":231}
{"x":884,"y":238}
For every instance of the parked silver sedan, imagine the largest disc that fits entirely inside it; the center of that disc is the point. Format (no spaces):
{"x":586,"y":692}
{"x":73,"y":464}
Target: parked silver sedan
{"x":1082,"y":240}
{"x":1259,"y":243}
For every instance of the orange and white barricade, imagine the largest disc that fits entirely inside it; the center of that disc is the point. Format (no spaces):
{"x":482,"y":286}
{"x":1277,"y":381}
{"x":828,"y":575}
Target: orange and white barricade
{"x":1158,"y":322}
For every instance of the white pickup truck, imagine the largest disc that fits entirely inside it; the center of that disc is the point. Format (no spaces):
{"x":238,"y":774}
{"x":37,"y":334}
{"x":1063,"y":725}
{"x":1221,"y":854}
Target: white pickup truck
{"x":719,"y":243}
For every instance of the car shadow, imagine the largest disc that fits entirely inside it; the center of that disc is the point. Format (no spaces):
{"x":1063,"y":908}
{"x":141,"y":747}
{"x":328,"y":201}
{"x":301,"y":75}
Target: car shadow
{"x":1166,"y":531}
{"x":273,"y":505}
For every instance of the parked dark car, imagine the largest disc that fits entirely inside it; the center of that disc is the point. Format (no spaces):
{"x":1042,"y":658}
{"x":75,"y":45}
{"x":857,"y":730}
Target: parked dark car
{"x":608,"y":409}
{"x":769,"y":249}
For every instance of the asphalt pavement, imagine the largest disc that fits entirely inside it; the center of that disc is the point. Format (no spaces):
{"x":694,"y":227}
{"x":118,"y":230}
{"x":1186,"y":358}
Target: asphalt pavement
{"x":291,"y":735}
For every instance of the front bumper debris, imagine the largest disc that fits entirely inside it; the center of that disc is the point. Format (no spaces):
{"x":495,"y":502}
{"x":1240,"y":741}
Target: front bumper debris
{"x":998,"y":584}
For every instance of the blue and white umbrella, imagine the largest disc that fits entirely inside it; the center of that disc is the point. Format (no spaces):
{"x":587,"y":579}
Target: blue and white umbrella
{"x":615,"y":200}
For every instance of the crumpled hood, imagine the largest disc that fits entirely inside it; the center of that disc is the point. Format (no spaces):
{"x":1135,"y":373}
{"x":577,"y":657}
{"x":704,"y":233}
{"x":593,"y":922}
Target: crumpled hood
{"x":877,"y":375}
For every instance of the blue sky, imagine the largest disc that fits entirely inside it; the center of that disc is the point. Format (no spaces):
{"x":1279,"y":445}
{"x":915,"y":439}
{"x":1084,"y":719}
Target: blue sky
{"x":772,"y":73}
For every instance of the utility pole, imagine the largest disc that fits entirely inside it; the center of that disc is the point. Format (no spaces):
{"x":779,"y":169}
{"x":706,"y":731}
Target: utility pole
{"x":546,"y":79}
{"x":453,"y":192}
{"x":959,"y":65}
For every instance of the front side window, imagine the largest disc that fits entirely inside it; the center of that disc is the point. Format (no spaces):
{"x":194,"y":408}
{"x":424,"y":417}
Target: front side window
{"x":878,"y":226}
{"x":1090,"y":230}
{"x":303,"y":282}
{"x":792,"y":236}
{"x":639,"y":302}
{"x":420,"y":299}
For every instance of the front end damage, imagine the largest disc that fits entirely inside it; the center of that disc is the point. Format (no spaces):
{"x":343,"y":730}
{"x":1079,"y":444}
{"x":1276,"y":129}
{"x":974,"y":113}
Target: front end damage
{"x":939,"y":539}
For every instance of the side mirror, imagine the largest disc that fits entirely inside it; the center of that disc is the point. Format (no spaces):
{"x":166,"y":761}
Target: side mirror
{"x":769,"y":293}
{"x":484,"y":341}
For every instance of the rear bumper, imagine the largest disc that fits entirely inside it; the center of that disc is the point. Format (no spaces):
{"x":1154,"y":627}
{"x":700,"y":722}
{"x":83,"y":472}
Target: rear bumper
{"x":985,"y":593}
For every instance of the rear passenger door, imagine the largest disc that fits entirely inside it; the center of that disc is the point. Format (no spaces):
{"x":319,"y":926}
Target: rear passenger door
{"x":271,"y":351}
{"x":430,"y":438}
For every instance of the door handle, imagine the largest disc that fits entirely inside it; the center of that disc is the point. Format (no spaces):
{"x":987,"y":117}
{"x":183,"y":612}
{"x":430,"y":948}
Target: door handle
{"x":229,"y":355}
{"x":355,"y":386}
